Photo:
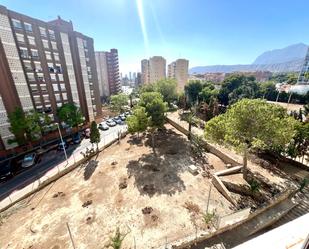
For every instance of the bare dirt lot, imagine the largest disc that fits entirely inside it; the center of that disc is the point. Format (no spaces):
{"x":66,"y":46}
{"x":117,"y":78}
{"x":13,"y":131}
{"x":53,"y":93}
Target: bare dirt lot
{"x":152,"y":198}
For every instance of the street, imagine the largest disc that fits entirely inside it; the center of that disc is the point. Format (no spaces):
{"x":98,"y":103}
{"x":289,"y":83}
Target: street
{"x":50,"y":160}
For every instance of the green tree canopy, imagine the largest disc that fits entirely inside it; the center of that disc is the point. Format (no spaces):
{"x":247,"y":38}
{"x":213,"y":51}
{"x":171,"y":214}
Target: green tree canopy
{"x":70,"y":114}
{"x":192,"y":90}
{"x":168,"y":89}
{"x":94,"y":134}
{"x":118,"y":102}
{"x":237,"y":86}
{"x":138,"y":122}
{"x":155,"y":108}
{"x":299,"y":145}
{"x":28,"y":126}
{"x":254,"y":124}
{"x":208,"y":92}
{"x":18,"y":125}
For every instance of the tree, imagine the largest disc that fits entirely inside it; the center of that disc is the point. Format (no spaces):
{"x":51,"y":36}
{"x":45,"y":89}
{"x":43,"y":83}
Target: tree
{"x":299,"y":145}
{"x":155,"y":108}
{"x":208,"y":92}
{"x":192,"y":90}
{"x":237,"y":86}
{"x":267,"y":90}
{"x":147,"y":88}
{"x":17,"y":126}
{"x":138,"y":122}
{"x":252,"y":124}
{"x":70,"y":114}
{"x":94,"y":134}
{"x":118,"y":102}
{"x":168,"y":90}
{"x":27,"y":127}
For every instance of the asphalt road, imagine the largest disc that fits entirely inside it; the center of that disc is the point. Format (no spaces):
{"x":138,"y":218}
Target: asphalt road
{"x":48,"y":161}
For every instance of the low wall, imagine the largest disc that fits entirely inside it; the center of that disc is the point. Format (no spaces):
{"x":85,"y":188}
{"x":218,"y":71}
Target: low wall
{"x":43,"y":183}
{"x":209,"y":147}
{"x":271,"y":204}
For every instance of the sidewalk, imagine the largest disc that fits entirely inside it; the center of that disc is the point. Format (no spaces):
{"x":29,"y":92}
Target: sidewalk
{"x":56,"y":172}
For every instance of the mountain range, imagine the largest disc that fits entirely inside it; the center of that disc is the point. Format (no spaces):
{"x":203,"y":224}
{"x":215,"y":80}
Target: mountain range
{"x":288,"y":59}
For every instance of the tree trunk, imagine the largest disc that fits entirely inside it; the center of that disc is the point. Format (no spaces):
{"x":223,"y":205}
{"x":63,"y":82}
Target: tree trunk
{"x":153,"y":143}
{"x":189,"y":134}
{"x":245,"y":162}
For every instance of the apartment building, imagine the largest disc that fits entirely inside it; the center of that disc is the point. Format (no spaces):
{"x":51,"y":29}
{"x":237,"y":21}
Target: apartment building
{"x":153,"y":69}
{"x":44,"y":65}
{"x":178,"y":70}
{"x":108,"y":72}
{"x":145,"y":71}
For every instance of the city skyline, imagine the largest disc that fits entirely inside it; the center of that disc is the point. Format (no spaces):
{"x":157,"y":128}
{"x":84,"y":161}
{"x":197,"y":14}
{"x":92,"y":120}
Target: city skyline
{"x":204,"y":32}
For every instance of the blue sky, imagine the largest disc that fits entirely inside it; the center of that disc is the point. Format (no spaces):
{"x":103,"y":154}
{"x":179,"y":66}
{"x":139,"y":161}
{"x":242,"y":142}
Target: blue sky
{"x":206,"y":32}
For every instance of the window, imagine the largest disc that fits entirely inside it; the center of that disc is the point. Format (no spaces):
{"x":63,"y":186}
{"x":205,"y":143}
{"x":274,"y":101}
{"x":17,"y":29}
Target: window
{"x":37,"y":66}
{"x":46,"y":98}
{"x":20,"y":38}
{"x":55,"y":87}
{"x":64,"y":96}
{"x":16,"y":24}
{"x":53,"y":77}
{"x":62,"y":87}
{"x":28,"y":27}
{"x":31,"y":40}
{"x":30,"y":76}
{"x":48,"y":55}
{"x":51,"y":67}
{"x":37,"y":99}
{"x":43,"y":32}
{"x":34,"y":53}
{"x":51,"y":34}
{"x":24,"y":53}
{"x":45,"y":43}
{"x":41,"y":77}
{"x":54,"y":45}
{"x":57,"y":96}
{"x":34,"y":88}
{"x":56,"y":56}
{"x":58,"y":68}
{"x":43,"y":87}
{"x":85,"y":43}
{"x":60,"y":76}
{"x":28,"y":66}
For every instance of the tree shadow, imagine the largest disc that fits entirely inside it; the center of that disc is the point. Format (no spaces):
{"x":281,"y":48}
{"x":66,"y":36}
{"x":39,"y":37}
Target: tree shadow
{"x":90,"y":168}
{"x":136,"y":140}
{"x":160,"y":174}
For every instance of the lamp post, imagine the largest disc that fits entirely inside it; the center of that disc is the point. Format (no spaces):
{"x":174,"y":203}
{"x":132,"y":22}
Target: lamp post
{"x":65,"y":152}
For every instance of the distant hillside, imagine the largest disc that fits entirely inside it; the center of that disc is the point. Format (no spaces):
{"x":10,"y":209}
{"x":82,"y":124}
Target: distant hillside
{"x":287,"y":54}
{"x":289,"y":59}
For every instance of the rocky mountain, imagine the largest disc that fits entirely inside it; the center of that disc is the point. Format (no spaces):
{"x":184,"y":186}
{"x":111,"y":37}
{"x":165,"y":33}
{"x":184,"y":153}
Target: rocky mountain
{"x":287,"y":54}
{"x":289,"y":59}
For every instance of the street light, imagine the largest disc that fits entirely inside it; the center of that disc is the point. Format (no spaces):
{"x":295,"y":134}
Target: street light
{"x":65,"y":152}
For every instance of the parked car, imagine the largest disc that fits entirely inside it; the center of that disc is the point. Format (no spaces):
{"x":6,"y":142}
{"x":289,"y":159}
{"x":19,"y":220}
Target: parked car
{"x":118,"y":121}
{"x":103,"y":126}
{"x":116,"y":118}
{"x":122,"y":117}
{"x":30,"y":160}
{"x":76,"y":138}
{"x":111,"y":123}
{"x":6,"y":170}
{"x":62,"y":144}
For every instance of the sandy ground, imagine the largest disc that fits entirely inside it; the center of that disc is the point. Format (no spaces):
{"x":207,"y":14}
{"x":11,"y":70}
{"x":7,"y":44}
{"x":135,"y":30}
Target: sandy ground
{"x":91,"y":202}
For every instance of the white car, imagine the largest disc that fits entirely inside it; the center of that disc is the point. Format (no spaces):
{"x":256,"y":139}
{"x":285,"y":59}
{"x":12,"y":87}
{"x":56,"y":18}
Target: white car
{"x":103,"y":126}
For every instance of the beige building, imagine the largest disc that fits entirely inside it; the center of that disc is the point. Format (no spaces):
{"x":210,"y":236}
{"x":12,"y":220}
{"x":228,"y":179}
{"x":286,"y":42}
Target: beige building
{"x":179,"y":70}
{"x":145,"y":71}
{"x":101,"y":64}
{"x":153,"y":69}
